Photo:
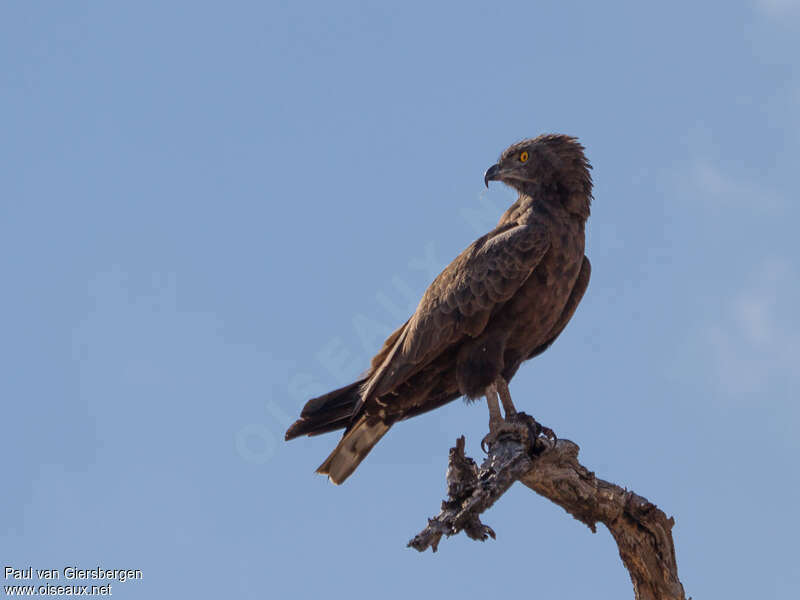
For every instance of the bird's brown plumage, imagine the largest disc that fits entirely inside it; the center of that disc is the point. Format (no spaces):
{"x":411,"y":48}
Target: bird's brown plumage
{"x":503,"y":300}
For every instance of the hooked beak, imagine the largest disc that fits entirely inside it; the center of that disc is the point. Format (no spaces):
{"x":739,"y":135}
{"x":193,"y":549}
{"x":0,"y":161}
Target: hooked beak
{"x":492,"y":174}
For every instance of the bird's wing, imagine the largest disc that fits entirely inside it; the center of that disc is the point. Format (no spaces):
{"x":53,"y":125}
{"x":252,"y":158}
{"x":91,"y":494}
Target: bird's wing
{"x":461,"y":299}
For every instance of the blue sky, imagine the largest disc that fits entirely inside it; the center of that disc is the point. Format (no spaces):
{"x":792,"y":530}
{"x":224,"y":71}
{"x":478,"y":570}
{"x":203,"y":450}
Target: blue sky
{"x":208,"y":214}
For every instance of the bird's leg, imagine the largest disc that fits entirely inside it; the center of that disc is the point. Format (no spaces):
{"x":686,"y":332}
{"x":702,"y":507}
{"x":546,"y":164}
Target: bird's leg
{"x":495,"y":417}
{"x":498,"y":425}
{"x":519,"y":424}
{"x":505,"y":396}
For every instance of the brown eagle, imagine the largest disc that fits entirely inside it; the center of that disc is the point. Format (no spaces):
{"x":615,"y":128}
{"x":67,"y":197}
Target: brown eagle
{"x":503,"y":300}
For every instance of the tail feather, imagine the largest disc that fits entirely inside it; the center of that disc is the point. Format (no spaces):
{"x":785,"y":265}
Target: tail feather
{"x":335,"y":410}
{"x":329,"y":412}
{"x":353,"y":448}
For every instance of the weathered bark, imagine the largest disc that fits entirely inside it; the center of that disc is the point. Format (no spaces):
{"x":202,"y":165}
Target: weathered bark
{"x":550,"y":468}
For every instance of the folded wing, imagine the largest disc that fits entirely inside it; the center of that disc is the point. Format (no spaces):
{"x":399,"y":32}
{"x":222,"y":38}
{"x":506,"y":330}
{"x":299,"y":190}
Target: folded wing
{"x":461,"y":300}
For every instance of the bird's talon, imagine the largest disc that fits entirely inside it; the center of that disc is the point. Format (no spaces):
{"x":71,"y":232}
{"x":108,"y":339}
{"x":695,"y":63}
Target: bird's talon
{"x":549,"y":434}
{"x":504,"y":428}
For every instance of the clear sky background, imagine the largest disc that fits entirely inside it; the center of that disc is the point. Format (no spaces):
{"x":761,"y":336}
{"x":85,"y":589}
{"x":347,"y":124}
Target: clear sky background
{"x":209,"y":213}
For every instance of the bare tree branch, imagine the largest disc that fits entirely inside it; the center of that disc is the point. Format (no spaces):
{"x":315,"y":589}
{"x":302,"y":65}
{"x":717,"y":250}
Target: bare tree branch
{"x":550,"y":468}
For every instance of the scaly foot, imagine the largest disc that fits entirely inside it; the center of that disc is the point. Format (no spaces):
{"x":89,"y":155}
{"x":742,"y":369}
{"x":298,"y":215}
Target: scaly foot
{"x":522,"y":426}
{"x":508,"y":427}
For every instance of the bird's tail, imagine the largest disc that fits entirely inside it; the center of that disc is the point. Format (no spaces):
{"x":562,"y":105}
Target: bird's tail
{"x":353,"y":448}
{"x":334,"y":411}
{"x":326,"y":413}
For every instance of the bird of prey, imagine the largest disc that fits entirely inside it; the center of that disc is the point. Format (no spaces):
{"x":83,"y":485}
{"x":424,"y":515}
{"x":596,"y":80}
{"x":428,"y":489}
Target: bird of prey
{"x":502,"y":301}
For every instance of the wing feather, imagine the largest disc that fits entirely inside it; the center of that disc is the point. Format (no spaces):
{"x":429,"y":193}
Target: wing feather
{"x":461,"y":300}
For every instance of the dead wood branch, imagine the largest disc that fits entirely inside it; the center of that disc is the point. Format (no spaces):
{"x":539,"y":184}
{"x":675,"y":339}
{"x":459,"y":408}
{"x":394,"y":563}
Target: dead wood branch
{"x":550,"y":468}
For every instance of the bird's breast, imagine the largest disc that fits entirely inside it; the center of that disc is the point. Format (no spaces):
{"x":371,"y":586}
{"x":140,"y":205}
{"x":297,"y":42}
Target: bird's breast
{"x":534,"y":310}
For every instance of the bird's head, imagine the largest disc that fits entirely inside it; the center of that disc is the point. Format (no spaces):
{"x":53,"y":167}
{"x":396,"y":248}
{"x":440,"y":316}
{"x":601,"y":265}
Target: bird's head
{"x":549,"y":166}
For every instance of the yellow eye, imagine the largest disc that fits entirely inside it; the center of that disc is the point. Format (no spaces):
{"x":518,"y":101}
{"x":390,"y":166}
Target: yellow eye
{"x":523,"y":156}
